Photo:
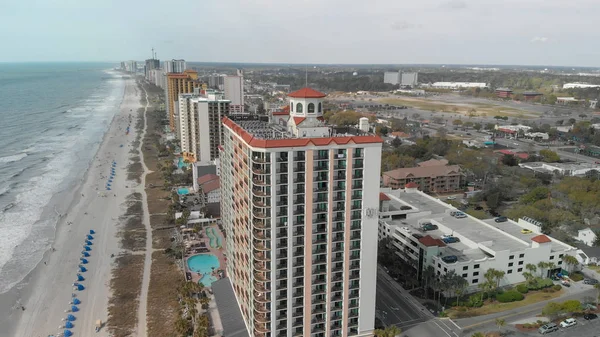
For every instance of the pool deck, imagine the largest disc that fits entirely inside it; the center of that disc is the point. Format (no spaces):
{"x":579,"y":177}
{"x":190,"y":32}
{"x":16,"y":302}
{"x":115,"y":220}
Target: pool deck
{"x":218,"y":252}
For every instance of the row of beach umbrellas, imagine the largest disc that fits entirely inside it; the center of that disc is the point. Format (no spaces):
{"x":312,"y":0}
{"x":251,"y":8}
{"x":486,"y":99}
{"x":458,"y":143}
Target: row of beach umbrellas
{"x":112,"y":175}
{"x":77,"y":286}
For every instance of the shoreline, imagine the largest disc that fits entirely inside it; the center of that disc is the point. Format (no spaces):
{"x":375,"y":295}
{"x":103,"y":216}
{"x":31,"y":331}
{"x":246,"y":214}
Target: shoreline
{"x":40,"y":307}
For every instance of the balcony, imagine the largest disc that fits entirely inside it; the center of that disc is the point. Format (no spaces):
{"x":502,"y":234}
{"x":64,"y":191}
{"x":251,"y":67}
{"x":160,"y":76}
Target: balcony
{"x":353,"y":295}
{"x":259,"y":215}
{"x":259,"y":192}
{"x":299,"y":211}
{"x":336,"y":289}
{"x":339,"y":188}
{"x":261,"y":160}
{"x":261,"y":182}
{"x":321,"y":168}
{"x":319,"y":281}
{"x":299,"y":168}
{"x":319,"y":261}
{"x":321,"y":177}
{"x":357,"y":186}
{"x":354,"y":276}
{"x":336,"y":298}
{"x":338,"y":238}
{"x":337,"y":268}
{"x":261,"y":171}
{"x":261,"y":235}
{"x":319,"y":310}
{"x":261,"y":328}
{"x":355,"y":236}
{"x":319,"y":220}
{"x":317,"y":251}
{"x":262,"y":266}
{"x":319,"y":240}
{"x":260,"y":245}
{"x":318,"y":210}
{"x":262,"y":318}
{"x":262,"y":307}
{"x":262,"y":298}
{"x":261,"y":256}
{"x":282,"y":202}
{"x":319,"y":271}
{"x":355,"y":265}
{"x":298,"y":293}
{"x":353,"y":314}
{"x":358,"y":165}
{"x":259,"y":224}
{"x":320,"y":230}
{"x":282,"y":159}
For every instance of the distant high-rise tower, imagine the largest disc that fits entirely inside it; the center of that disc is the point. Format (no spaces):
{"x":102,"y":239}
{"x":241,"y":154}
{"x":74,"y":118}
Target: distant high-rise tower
{"x":183,"y":83}
{"x":175,"y":66}
{"x":299,"y":206}
{"x":234,"y":91}
{"x":200,"y":125}
{"x":410,"y":79}
{"x":391,"y":77}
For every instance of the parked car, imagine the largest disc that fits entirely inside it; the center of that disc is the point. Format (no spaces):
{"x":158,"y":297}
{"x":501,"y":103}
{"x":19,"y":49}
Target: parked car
{"x":526,"y":231}
{"x":501,"y":219}
{"x":590,"y":281}
{"x":589,"y":317}
{"x":565,"y":283}
{"x":547,"y":328}
{"x":460,"y":215}
{"x":429,"y":227}
{"x":451,"y":240}
{"x":568,"y":323}
{"x":450,"y":259}
{"x":405,"y":208}
{"x":451,"y":197}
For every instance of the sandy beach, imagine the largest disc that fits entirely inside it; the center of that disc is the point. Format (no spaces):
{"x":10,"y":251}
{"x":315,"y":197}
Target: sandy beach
{"x":47,"y":294}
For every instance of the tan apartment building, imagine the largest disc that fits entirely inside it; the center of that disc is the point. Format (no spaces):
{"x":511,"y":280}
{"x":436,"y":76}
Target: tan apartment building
{"x":432,"y":176}
{"x":179,"y":83}
{"x":299,"y":207}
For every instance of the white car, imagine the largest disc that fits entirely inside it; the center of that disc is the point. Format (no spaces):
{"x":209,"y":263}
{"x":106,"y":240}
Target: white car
{"x":568,"y":322}
{"x":451,"y":197}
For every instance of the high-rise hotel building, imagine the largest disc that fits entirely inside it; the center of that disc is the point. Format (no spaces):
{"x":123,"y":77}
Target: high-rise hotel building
{"x":179,"y":83}
{"x":299,"y":206}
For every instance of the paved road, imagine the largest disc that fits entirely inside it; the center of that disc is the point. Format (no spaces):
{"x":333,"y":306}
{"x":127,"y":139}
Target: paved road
{"x":395,"y":306}
{"x":525,"y":145}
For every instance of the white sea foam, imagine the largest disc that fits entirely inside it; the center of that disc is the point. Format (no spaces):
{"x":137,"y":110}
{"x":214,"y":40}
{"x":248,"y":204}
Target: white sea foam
{"x":23,"y":236}
{"x":10,"y":159}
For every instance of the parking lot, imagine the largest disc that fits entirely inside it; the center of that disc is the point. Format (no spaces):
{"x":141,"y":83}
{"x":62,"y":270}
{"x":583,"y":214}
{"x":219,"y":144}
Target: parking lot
{"x":582,"y":329}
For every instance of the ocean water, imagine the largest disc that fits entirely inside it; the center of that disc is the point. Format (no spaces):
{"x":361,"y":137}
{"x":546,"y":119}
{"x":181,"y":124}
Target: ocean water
{"x":53,"y":117}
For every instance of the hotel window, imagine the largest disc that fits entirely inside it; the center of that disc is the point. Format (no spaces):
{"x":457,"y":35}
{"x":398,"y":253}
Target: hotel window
{"x":319,"y":107}
{"x":466,"y":268}
{"x":519,"y":270}
{"x":292,"y":107}
{"x":311,"y":108}
{"x":475,"y":281}
{"x":511,"y":257}
{"x":510,"y":271}
{"x":476,"y":273}
{"x":476,"y":266}
{"x":521,"y":256}
{"x":520,"y":263}
{"x":465,"y":275}
{"x":551,"y":257}
{"x":299,"y":107}
{"x":510,"y":264}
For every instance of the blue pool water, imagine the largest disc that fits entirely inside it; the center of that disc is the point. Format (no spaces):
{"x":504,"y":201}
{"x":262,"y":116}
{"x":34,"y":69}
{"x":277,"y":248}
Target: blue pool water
{"x":183,"y":191}
{"x":181,"y":164}
{"x":204,"y":264}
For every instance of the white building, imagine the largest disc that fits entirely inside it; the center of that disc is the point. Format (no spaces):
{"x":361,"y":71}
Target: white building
{"x":131,"y":66}
{"x":587,"y":236}
{"x":363,"y":124}
{"x":234,"y":91}
{"x":199,"y":118}
{"x":458,"y":85}
{"x":483,"y":244}
{"x":566,"y":169}
{"x":410,"y":79}
{"x":175,"y":66}
{"x":299,"y":206}
{"x":580,"y":85}
{"x":391,"y":77}
{"x":537,"y":135}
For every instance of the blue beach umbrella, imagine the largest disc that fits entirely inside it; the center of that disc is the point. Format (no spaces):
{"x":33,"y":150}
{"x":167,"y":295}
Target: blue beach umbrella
{"x":90,"y":237}
{"x":80,"y":278}
{"x":76,"y":301}
{"x":92,"y":231}
{"x":68,"y":333}
{"x":70,"y":318}
{"x":74,"y":308}
{"x":82,"y":269}
{"x":80,"y":287}
{"x":87,"y":248}
{"x":69,"y":325}
{"x":84,"y":261}
{"x":88,"y":242}
{"x":108,"y":189}
{"x":85,"y":254}
{"x":110,"y":180}
{"x":108,"y":185}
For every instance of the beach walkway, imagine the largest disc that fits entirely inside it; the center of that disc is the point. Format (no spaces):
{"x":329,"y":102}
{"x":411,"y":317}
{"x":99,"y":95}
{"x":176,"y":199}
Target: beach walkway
{"x":142,"y":330}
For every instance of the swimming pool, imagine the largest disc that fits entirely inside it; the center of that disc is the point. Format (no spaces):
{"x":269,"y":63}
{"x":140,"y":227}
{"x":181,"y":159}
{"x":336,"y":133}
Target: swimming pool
{"x":183,"y":191}
{"x":215,"y":240}
{"x":204,"y":264}
{"x":181,"y":164}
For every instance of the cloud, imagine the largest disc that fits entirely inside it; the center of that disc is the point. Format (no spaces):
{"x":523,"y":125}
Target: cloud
{"x":538,"y":39}
{"x":454,"y":5}
{"x":403,"y":25}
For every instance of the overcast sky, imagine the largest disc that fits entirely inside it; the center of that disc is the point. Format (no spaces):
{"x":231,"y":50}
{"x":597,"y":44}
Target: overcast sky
{"x":523,"y":32}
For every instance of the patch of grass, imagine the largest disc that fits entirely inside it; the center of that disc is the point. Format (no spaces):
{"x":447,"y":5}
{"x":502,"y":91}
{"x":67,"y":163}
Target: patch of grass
{"x":159,"y":221}
{"x":163,"y":305}
{"x":488,"y":109}
{"x":161,"y":239}
{"x":495,"y":307}
{"x":123,"y":304}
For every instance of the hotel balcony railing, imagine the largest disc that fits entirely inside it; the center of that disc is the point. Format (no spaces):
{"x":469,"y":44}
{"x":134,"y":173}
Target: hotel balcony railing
{"x":320,"y":199}
{"x":281,"y":224}
{"x":283,"y":275}
{"x":336,"y":298}
{"x":261,"y":328}
{"x":319,"y":261}
{"x":260,"y":277}
{"x":318,"y":291}
{"x":319,"y":271}
{"x":318,"y":210}
{"x":336,"y":288}
{"x":339,"y":188}
{"x":338,"y":238}
{"x":319,"y":240}
{"x":261,"y":203}
{"x":300,"y":168}
{"x":297,"y":313}
{"x":261,"y":182}
{"x":261,"y":160}
{"x":299,"y":231}
{"x":298,"y":263}
{"x":353,"y":304}
{"x":259,"y":224}
{"x":298,"y":224}
{"x":259,"y":214}
{"x":337,"y":258}
{"x":319,"y":310}
{"x":299,"y":198}
{"x":320,"y":189}
{"x":319,"y":230}
{"x":355,"y":236}
{"x":259,"y":192}
{"x":298,"y":242}
{"x":321,"y":168}
{"x":317,"y":251}
{"x":357,"y":186}
{"x":282,"y":202}
{"x":353,"y":295}
{"x":339,"y":166}
{"x":299,"y":158}
{"x":260,"y":245}
{"x":337,"y":278}
{"x":298,"y":284}
{"x":355,"y":216}
{"x":321,"y":177}
{"x":262,"y":307}
{"x":355,"y":256}
{"x":353,"y":314}
{"x":297,"y":323}
{"x":282,"y":159}
{"x":261,"y":266}
{"x":356,"y":196}
{"x":319,"y":281}
{"x":299,"y":211}
{"x":262,"y":318}
{"x":262,"y":256}
{"x":355,"y":265}
{"x":262,"y":298}
{"x":282,"y":233}
{"x":337,"y":269}
{"x":298,"y":293}
{"x":321,"y":156}
{"x":261,"y":171}
{"x":355,"y":226}
{"x":317,"y":320}
{"x":357,"y":165}
{"x":339,"y":177}
{"x":339,"y":197}
{"x":319,"y":221}
{"x":282,"y":213}
{"x":354,"y":276}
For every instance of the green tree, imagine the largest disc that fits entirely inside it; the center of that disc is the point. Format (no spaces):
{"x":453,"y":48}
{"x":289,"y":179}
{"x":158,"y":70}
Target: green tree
{"x":570,"y":261}
{"x":457,"y":122}
{"x":535,"y":194}
{"x":477,"y":126}
{"x":390,"y":331}
{"x":542,"y":267}
{"x":552,"y":309}
{"x":597,"y":287}
{"x":549,"y":156}
{"x":571,"y":306}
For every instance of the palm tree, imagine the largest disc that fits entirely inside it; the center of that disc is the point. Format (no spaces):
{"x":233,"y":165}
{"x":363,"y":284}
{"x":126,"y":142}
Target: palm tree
{"x":570,"y":260}
{"x":500,"y":323}
{"x":461,"y":287}
{"x":531,"y":267}
{"x":528,"y":277}
{"x":551,"y":266}
{"x":498,"y":276}
{"x":542,"y":265}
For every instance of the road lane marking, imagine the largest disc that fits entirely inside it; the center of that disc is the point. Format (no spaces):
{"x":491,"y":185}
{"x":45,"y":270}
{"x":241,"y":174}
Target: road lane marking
{"x":439,"y":326}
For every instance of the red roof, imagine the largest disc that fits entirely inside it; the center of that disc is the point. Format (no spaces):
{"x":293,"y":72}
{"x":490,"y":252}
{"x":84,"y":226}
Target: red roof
{"x":206,"y":178}
{"x":281,"y":113}
{"x":211,"y":186}
{"x":541,"y":239}
{"x":506,"y":152}
{"x":307,"y":93}
{"x":428,"y":241}
{"x":522,"y":155}
{"x":298,"y":120}
{"x":507,"y":130}
{"x":296,"y":142}
{"x":383,"y":197}
{"x":412,"y":184}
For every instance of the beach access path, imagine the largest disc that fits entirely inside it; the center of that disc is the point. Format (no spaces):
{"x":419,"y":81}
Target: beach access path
{"x":95,"y":208}
{"x":142,"y":330}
